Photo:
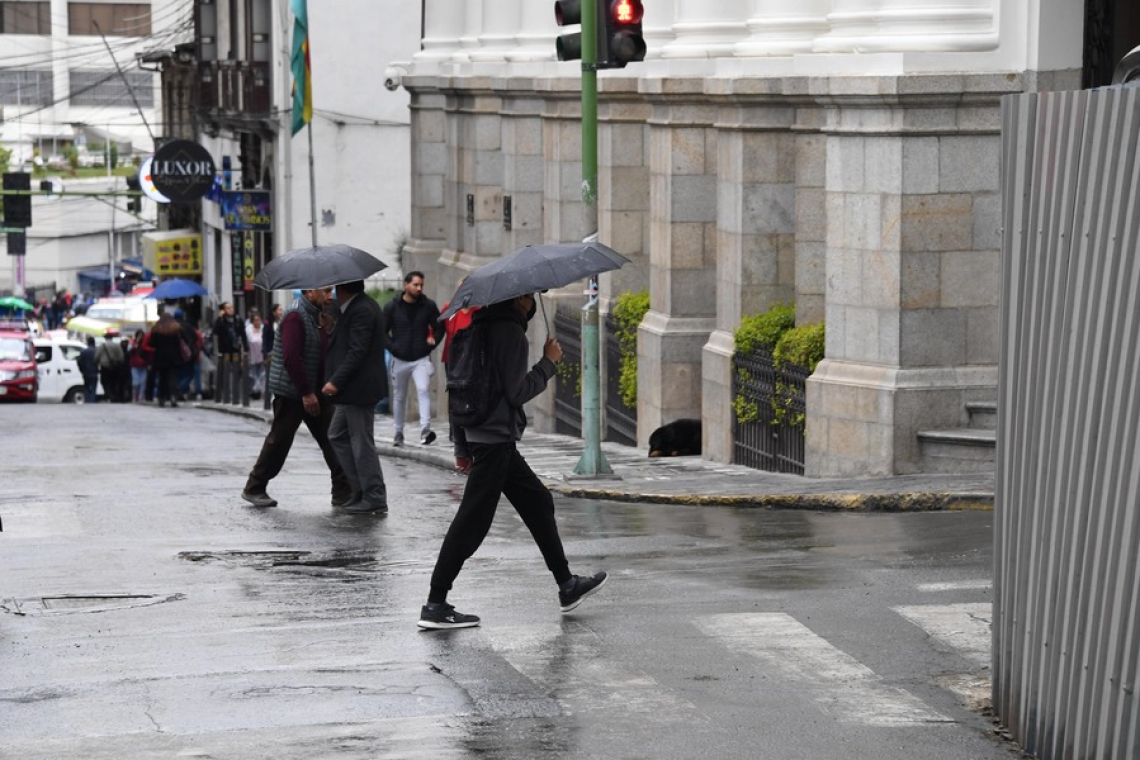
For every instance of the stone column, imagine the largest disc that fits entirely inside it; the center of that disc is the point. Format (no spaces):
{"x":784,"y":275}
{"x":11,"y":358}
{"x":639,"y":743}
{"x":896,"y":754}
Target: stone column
{"x":784,"y":27}
{"x":444,"y":22}
{"x":657,"y":27}
{"x":913,"y":275}
{"x":500,"y":25}
{"x":429,"y":222}
{"x":811,"y":217}
{"x":755,"y":254}
{"x":523,"y":175}
{"x":536,"y":34}
{"x":473,"y":11}
{"x":707,"y":30}
{"x":920,"y":26}
{"x":682,"y":265}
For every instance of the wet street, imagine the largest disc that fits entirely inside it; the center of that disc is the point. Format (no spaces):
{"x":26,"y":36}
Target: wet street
{"x":149,"y":613}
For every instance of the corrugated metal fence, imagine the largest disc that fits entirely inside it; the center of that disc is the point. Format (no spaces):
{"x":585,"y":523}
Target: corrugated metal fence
{"x":1067,"y":536}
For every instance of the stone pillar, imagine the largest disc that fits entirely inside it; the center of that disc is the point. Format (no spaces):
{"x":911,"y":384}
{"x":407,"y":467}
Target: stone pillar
{"x":707,"y":30}
{"x":472,"y":13}
{"x":536,"y":34}
{"x":500,"y":25}
{"x":523,"y":175}
{"x":444,"y":22}
{"x":784,"y":27}
{"x":429,"y":222}
{"x":913,"y":276}
{"x":920,"y":26}
{"x":657,"y":27}
{"x":811,"y":218}
{"x":682,"y":265}
{"x":623,"y":188}
{"x":755,"y":255}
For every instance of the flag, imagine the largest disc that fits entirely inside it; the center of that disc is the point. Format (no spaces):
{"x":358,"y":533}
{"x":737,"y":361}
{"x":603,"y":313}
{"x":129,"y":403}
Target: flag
{"x":302,"y":69}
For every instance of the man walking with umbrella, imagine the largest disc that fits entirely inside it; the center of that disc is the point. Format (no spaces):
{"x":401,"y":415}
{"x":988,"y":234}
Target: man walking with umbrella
{"x":295,"y":377}
{"x":357,"y":381}
{"x":499,"y":469}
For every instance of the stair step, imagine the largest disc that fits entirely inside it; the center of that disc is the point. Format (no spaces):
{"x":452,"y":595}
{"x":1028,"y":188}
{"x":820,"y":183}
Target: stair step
{"x":958,"y":450}
{"x":983,"y":414}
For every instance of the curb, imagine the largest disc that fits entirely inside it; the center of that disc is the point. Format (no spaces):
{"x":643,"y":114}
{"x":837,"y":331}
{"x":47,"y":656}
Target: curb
{"x":825,"y":502}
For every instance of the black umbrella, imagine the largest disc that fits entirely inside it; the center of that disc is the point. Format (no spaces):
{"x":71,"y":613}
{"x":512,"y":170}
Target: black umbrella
{"x":533,"y":269}
{"x":320,"y":267}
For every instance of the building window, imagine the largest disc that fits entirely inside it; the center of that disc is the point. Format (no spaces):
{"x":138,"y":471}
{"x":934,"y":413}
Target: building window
{"x":25,"y":18}
{"x":106,"y":88}
{"x":122,"y":19}
{"x":25,"y":87}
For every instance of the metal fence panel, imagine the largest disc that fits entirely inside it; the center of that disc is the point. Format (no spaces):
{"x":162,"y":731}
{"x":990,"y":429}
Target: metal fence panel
{"x":1067,"y":524}
{"x":568,"y":381}
{"x":768,"y":443}
{"x":621,"y":420}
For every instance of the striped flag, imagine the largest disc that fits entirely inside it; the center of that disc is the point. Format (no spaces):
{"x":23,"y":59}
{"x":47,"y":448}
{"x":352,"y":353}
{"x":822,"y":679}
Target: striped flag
{"x":302,"y":69}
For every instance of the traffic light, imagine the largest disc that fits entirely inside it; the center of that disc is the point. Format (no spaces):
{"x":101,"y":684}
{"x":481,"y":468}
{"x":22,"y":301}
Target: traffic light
{"x":568,"y":13}
{"x":134,"y":203}
{"x":17,"y":208}
{"x":621,"y":43}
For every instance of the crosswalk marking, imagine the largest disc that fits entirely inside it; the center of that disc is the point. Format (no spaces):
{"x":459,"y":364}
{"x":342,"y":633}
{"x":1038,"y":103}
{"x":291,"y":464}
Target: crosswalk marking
{"x":838,"y":683}
{"x":569,"y":661}
{"x":963,"y":627}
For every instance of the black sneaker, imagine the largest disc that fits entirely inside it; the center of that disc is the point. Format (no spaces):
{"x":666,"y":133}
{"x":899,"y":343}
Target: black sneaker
{"x":438,"y":617}
{"x":578,"y":589}
{"x":259,"y":499}
{"x":427,"y":438}
{"x":398,"y":439}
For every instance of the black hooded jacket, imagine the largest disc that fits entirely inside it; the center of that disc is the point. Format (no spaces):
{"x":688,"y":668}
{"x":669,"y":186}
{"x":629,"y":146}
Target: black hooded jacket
{"x":508,"y":354}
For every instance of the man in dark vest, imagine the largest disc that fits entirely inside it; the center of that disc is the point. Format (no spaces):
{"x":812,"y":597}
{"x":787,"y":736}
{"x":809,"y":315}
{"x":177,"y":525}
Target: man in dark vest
{"x":295,"y":377}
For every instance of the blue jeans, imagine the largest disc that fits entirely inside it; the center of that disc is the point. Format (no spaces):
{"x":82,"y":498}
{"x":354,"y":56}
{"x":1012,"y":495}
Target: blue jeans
{"x":90,"y":388}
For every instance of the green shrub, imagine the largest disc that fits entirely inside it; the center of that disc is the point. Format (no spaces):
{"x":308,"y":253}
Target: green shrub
{"x":763,"y":331}
{"x":628,"y":312}
{"x":775,"y":332}
{"x":382,"y":296}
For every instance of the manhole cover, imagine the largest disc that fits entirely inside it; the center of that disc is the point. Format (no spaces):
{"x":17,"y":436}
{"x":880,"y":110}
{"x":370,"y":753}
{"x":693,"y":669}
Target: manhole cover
{"x":67,"y":604}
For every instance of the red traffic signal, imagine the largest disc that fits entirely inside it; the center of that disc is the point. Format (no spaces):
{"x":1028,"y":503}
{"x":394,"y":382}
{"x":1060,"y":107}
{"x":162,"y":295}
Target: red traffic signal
{"x":622,"y":42}
{"x":627,"y":11}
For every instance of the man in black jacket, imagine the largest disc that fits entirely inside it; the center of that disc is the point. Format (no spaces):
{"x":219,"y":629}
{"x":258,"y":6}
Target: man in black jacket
{"x":499,"y":468}
{"x":412,"y":324}
{"x":356,"y":383}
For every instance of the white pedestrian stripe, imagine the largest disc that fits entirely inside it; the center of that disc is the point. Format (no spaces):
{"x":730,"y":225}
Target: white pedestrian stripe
{"x":966,"y":628}
{"x":956,"y":586}
{"x":570,"y":663}
{"x":839,"y":684}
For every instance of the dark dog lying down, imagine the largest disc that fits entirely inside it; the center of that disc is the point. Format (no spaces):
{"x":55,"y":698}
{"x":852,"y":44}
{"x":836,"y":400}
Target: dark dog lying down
{"x":680,"y":438}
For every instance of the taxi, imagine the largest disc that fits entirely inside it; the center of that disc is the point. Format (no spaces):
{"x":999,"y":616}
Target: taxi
{"x":18,"y":379}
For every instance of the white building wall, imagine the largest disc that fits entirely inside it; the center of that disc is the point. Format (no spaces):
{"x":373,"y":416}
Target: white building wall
{"x":360,"y":130}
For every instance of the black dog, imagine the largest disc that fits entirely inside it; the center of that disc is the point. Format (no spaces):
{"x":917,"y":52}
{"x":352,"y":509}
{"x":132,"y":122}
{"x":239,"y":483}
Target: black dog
{"x":680,"y":438}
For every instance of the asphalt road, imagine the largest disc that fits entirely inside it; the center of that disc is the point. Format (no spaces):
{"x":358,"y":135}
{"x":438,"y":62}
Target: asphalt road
{"x":149,"y":613}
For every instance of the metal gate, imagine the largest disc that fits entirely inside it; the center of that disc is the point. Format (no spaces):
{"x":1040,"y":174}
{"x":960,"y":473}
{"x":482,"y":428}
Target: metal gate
{"x":568,"y":386}
{"x":1067,"y":509}
{"x":767,"y":443}
{"x":621,"y":420}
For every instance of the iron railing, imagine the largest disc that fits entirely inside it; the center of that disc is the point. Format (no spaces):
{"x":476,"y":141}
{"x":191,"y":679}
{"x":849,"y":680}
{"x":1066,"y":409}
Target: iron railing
{"x":234,"y":87}
{"x":768,"y":443}
{"x":621,"y":420}
{"x":568,"y":385}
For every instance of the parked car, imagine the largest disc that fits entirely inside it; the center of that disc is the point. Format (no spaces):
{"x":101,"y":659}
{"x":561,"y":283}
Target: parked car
{"x":128,"y":314}
{"x":59,"y":375}
{"x":18,"y":381}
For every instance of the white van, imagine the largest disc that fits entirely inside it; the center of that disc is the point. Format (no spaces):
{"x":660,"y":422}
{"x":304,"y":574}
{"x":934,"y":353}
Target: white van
{"x":60,"y":378}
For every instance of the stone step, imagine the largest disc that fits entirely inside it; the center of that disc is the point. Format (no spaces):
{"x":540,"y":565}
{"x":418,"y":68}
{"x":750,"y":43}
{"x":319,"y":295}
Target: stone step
{"x":958,"y":450}
{"x":983,"y":414}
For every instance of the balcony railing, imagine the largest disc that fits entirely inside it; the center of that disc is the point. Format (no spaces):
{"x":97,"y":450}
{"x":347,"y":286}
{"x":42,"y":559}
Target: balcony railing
{"x":234,"y":87}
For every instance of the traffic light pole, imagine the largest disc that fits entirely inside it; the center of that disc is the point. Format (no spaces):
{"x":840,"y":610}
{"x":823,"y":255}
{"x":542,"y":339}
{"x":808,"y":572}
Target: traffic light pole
{"x":593,"y":461}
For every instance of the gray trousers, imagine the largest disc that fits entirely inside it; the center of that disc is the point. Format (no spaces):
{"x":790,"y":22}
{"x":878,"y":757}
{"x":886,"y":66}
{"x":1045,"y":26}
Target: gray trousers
{"x":352,"y":436}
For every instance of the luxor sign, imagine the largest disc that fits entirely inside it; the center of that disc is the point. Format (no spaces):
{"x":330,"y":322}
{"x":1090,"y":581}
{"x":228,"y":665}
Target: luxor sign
{"x":182,"y":170}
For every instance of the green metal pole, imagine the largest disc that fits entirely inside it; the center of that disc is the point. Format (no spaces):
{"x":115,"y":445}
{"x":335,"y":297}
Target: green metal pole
{"x":593,"y":461}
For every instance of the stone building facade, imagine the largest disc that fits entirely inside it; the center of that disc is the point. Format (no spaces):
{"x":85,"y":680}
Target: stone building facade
{"x":844,"y":154}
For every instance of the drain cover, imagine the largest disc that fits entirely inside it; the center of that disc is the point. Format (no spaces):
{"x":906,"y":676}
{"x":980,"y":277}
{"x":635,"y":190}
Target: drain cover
{"x":67,"y":604}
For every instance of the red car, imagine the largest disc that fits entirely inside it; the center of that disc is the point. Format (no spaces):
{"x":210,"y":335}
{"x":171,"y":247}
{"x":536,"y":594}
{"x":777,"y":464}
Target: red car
{"x":18,"y":381}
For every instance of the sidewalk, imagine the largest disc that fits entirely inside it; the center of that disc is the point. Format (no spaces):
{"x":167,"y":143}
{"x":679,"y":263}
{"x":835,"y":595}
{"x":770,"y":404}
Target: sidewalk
{"x":692,"y":480}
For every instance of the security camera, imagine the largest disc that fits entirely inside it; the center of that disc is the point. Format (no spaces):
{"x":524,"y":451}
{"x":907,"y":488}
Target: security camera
{"x":394,"y":76}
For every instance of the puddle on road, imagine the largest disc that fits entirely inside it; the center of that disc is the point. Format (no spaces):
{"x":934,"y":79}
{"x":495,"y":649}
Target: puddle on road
{"x":298,"y":559}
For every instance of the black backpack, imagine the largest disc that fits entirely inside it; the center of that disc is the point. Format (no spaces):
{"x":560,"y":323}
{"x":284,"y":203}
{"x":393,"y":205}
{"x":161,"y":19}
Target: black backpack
{"x":473,"y":387}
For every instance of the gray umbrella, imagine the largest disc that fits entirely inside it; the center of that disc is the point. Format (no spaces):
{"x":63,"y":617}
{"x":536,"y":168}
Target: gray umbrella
{"x":533,"y":269}
{"x":320,"y":267}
